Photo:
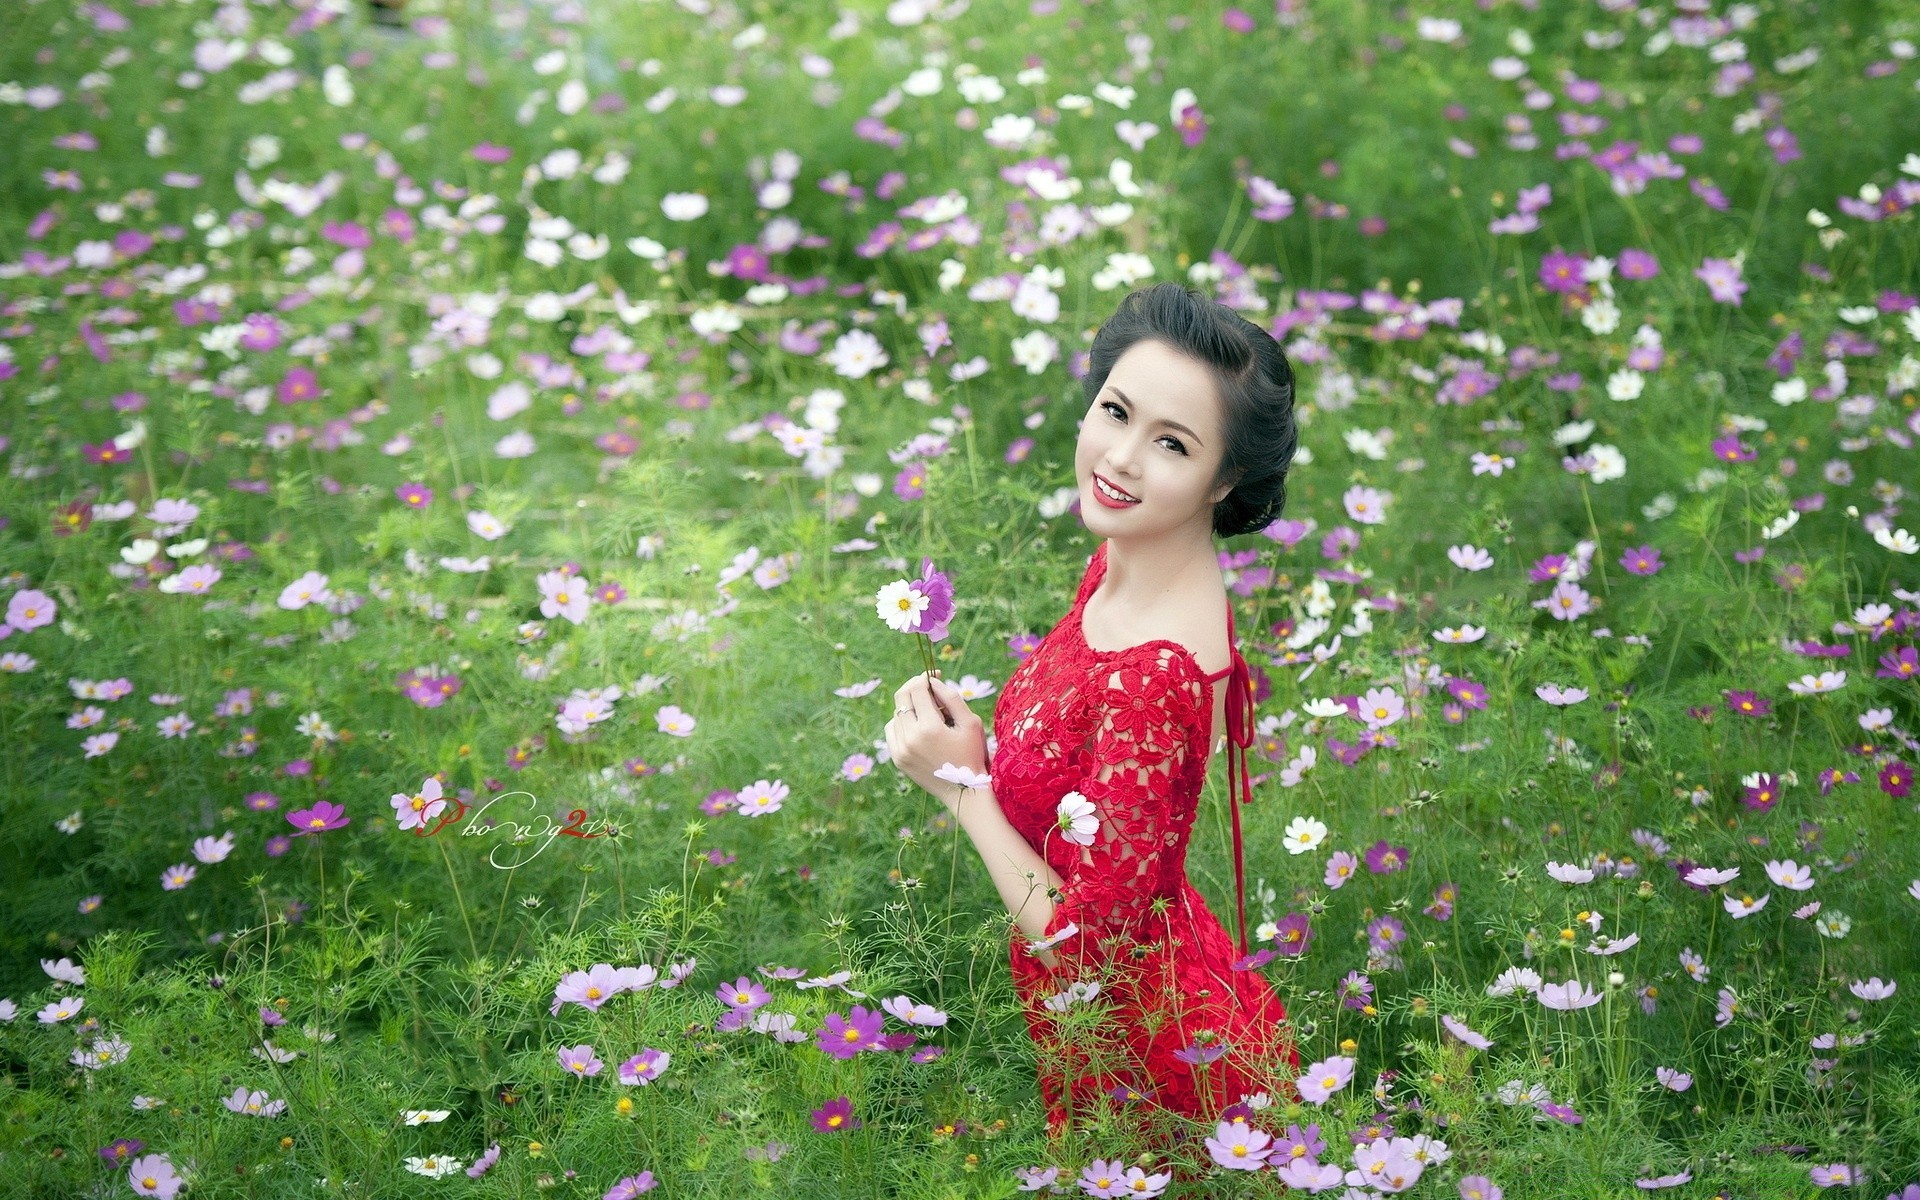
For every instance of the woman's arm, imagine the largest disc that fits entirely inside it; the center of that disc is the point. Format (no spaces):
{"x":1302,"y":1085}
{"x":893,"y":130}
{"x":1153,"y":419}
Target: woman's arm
{"x":1023,"y":878}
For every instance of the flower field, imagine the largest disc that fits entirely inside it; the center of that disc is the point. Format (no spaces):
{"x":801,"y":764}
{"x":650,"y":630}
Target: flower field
{"x":454,"y":454}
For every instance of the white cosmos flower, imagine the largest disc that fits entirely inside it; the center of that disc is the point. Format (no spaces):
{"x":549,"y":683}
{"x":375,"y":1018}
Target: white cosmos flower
{"x":1570,"y":872}
{"x":1897,"y":540}
{"x":1460,"y":635}
{"x":900,"y":605}
{"x":484,"y":524}
{"x":1076,"y":819}
{"x":1304,"y":834}
{"x":1777,"y":527}
{"x":1324,"y":708}
{"x":684,"y":206}
{"x":1568,"y":996}
{"x":1815,"y":685}
{"x":1740,"y":906}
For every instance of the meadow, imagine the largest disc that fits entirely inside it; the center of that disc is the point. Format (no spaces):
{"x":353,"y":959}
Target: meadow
{"x":453,"y":450}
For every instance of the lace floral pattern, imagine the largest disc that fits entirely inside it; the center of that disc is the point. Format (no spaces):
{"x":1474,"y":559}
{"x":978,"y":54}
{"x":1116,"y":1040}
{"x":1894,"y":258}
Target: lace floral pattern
{"x":1128,"y":730}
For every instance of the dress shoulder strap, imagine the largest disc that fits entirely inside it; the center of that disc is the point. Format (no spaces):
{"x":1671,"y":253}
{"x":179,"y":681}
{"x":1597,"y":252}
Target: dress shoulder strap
{"x":1239,"y":785}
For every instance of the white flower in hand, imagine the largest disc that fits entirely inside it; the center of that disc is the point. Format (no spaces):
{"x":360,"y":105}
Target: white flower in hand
{"x":966,"y":777}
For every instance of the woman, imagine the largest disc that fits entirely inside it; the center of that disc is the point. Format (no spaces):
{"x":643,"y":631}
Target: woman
{"x":1103,"y":732}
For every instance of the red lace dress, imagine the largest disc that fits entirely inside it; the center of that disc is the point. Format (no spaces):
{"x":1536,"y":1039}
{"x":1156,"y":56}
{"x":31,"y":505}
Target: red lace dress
{"x":1131,"y":730}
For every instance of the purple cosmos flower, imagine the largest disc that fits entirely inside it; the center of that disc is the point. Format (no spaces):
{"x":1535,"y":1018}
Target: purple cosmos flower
{"x":1731,"y":449}
{"x":644,"y":1067}
{"x":1643,"y":560}
{"x":1901,"y":664}
{"x":324,"y":817}
{"x":743,"y":993}
{"x":589,"y":989}
{"x":1341,"y":866}
{"x":1479,"y":1187}
{"x":1722,"y":277}
{"x":1324,"y":1078}
{"x":1193,"y":125}
{"x":835,"y":1116}
{"x":414,"y":495}
{"x":1356,"y":991}
{"x":938,"y":589}
{"x":122,"y":1150}
{"x":1383,"y":859}
{"x":297,"y":385}
{"x":1562,"y":272}
{"x":1896,"y":779}
{"x":1747,"y":704}
{"x":1637,"y":264}
{"x":485,"y":1162}
{"x":1384,"y":933}
{"x":1562,"y":1112}
{"x":632,"y":1186}
{"x":1763,"y":794}
{"x":581,"y":1060}
{"x":1199,"y":1054}
{"x":1292,"y":934}
{"x":844,"y":1037}
{"x":911,"y":482}
{"x":30,"y":609}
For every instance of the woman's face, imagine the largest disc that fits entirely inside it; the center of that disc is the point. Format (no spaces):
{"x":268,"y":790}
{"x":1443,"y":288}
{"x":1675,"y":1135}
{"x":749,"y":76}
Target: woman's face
{"x":1153,"y":432}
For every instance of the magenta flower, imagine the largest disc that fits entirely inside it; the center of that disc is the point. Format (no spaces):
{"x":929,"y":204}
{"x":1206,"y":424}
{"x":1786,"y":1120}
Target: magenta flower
{"x":1731,"y":449}
{"x":1293,"y":934}
{"x":835,"y":1116}
{"x":589,"y":989}
{"x":743,"y":993}
{"x":938,"y":589}
{"x":610,"y":592}
{"x":631,"y":1186}
{"x":1901,"y":664}
{"x":121,"y":1150}
{"x":844,"y":1037}
{"x":1763,"y":794}
{"x":1644,"y":560}
{"x":581,"y":1060}
{"x":1199,"y":1054}
{"x":1896,"y":779}
{"x":1562,"y":272}
{"x":487,"y":152}
{"x":1747,"y":704}
{"x":644,"y":1067}
{"x":1192,"y":125}
{"x":1383,"y":859}
{"x":1722,"y":277}
{"x":1637,"y":264}
{"x":297,"y":385}
{"x":414,"y":495}
{"x":911,"y":482}
{"x":324,"y":817}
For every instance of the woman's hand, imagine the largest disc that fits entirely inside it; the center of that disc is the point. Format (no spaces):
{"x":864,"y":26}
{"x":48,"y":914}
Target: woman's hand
{"x":922,"y":743}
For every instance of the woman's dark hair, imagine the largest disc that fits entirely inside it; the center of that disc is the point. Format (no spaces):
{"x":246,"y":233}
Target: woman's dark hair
{"x":1254,"y":380}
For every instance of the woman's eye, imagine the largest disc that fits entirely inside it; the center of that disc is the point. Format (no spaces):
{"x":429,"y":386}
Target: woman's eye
{"x":1111,"y":407}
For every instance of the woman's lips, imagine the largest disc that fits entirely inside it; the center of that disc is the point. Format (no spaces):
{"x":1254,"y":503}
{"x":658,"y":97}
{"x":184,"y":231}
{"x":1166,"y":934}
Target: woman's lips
{"x":1107,"y":501}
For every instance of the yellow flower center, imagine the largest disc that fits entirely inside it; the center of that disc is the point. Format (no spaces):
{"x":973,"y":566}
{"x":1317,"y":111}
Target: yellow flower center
{"x":593,"y":993}
{"x":835,"y":1120}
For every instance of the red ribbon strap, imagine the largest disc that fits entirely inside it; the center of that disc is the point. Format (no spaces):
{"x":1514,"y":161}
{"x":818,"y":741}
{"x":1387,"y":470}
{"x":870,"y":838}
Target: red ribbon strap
{"x":1240,"y":719}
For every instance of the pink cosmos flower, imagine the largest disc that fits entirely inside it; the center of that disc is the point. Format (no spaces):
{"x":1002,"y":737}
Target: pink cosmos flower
{"x":581,"y":1060}
{"x":30,"y":609}
{"x":1324,"y":1078}
{"x":644,"y":1067}
{"x":324,"y":817}
{"x":1722,"y":277}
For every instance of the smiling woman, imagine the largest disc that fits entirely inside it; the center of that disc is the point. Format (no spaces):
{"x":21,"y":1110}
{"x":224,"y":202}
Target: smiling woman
{"x":1104,"y":730}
